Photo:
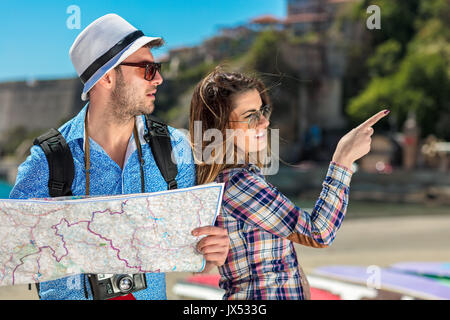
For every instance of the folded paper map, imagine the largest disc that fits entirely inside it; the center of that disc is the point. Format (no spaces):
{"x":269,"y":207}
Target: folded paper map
{"x":46,"y":239}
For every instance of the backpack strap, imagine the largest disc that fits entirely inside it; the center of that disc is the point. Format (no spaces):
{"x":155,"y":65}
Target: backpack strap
{"x":158,"y":138}
{"x":60,"y":167}
{"x":60,"y":162}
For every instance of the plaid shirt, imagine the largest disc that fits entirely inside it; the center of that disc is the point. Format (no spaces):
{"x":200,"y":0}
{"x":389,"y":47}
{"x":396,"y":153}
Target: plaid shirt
{"x":262,"y":263}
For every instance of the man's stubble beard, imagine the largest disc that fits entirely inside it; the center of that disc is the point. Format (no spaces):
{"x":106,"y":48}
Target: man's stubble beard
{"x":126,"y":103}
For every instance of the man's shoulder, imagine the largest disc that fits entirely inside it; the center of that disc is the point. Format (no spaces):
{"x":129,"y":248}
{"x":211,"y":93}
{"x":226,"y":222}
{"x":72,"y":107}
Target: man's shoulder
{"x":178,"y":134}
{"x":72,"y":129}
{"x":179,"y":138}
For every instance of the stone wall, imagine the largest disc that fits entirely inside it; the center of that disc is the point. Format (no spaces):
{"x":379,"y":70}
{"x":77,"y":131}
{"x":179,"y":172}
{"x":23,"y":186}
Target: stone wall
{"x":39,"y":104}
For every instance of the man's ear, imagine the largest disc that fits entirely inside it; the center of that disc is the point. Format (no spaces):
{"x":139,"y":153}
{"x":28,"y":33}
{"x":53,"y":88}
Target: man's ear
{"x":108,"y":80}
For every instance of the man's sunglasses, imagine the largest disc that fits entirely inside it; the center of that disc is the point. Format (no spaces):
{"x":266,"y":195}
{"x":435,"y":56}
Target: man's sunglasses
{"x":150,"y":68}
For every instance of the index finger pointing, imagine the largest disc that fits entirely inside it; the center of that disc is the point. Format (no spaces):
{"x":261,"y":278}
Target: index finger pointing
{"x":209,"y":230}
{"x":374,"y":119}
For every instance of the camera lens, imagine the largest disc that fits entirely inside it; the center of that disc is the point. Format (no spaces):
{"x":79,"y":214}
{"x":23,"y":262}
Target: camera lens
{"x":125,"y":283}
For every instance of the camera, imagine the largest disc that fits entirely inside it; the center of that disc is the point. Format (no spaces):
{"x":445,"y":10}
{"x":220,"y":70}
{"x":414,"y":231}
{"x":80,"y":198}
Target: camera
{"x":107,"y":286}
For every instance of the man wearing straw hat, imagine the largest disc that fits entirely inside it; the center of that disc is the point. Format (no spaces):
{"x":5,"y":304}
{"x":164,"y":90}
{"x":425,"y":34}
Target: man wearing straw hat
{"x":106,"y":139}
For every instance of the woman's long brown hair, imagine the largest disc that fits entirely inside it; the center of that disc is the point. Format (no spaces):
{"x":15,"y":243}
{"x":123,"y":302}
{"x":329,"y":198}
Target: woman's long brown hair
{"x":211,"y":104}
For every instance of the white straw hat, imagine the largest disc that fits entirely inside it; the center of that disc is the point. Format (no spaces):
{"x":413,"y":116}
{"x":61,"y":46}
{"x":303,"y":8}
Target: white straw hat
{"x":103,"y":45}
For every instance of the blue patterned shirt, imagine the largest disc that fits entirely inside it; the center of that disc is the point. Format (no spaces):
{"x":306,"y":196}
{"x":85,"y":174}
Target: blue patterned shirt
{"x":107,"y":178}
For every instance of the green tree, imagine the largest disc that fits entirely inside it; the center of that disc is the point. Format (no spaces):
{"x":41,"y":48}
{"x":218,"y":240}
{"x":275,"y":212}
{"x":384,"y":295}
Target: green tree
{"x":385,"y":59}
{"x":416,"y":81}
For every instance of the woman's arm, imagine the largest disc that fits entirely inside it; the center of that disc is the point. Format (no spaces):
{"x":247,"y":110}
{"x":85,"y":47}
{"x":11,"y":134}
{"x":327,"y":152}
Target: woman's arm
{"x":249,"y":198}
{"x":334,"y":201}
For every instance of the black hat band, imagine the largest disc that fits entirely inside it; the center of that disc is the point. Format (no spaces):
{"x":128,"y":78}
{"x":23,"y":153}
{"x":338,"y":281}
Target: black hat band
{"x":108,"y":55}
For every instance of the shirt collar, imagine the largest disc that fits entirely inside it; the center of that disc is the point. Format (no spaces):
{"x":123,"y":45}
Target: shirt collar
{"x":75,"y":126}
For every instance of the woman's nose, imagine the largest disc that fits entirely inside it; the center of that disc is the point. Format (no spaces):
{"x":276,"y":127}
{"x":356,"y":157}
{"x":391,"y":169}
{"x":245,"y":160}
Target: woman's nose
{"x":263,"y":122}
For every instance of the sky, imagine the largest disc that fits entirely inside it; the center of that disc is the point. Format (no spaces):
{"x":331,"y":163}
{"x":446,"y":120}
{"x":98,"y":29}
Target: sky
{"x":35,"y":38}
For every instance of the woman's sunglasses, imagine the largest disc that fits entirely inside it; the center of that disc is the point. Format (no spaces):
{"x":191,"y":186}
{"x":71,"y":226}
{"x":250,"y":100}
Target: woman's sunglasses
{"x":255,"y":117}
{"x":150,"y":68}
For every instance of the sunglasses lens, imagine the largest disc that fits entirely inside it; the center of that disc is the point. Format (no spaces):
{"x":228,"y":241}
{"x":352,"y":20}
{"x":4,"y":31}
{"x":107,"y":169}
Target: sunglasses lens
{"x":150,"y":71}
{"x":266,"y":112}
{"x":253,"y":120}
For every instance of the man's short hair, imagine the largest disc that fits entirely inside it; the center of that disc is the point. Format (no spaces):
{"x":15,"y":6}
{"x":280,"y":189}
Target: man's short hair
{"x":155,"y":43}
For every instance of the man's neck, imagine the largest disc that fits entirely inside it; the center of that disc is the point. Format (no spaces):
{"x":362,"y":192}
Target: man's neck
{"x":111,"y":134}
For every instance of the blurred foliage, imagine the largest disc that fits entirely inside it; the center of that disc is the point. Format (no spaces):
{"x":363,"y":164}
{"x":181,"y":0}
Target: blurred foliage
{"x":409,"y":69}
{"x":264,"y":53}
{"x":265,"y":58}
{"x":385,"y":59}
{"x":261,"y":58}
{"x":168,"y":95}
{"x":310,"y":37}
{"x":404,"y":66}
{"x":17,"y":136}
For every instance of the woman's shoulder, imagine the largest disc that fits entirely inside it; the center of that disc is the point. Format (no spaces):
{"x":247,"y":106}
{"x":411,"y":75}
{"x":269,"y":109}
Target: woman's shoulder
{"x":248,"y":173}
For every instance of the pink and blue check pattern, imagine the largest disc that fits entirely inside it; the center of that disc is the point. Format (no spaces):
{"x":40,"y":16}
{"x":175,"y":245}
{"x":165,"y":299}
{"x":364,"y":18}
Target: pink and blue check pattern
{"x":262,"y":263}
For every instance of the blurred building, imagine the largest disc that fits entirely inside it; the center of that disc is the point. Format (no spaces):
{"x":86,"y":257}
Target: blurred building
{"x":312,"y":15}
{"x":319,"y":60}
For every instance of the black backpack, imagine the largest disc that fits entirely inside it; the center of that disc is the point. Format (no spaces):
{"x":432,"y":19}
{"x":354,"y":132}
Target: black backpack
{"x":60,"y":160}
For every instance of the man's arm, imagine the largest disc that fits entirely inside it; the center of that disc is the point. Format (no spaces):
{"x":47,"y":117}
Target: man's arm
{"x":182,"y":153}
{"x":32,"y":177}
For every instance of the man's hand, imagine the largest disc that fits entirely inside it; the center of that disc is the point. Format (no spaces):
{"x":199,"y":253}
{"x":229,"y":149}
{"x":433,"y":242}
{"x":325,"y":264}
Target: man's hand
{"x":214,"y":246}
{"x":356,"y":143}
